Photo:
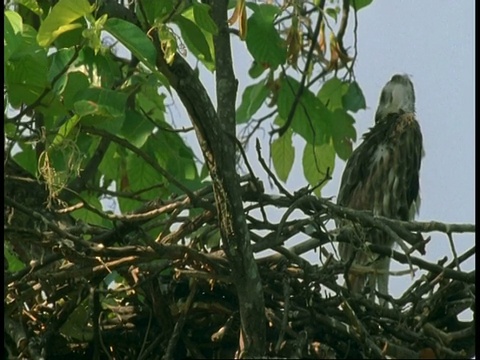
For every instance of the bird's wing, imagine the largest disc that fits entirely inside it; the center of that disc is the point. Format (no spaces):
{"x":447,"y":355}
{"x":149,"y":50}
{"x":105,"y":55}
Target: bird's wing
{"x":366,"y":178}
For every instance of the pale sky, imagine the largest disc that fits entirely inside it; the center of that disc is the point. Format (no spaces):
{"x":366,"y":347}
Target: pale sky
{"x":433,"y":41}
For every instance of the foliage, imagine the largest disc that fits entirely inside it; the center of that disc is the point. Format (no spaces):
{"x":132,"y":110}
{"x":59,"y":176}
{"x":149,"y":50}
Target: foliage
{"x":112,"y":239}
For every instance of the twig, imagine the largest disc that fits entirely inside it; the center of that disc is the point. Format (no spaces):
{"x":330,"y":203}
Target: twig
{"x":286,"y":310}
{"x":172,"y":343}
{"x":148,"y":159}
{"x":281,"y":130}
{"x":270,"y":173}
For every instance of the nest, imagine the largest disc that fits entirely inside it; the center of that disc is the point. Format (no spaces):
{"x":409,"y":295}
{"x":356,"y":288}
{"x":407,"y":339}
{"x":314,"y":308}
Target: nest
{"x":125,"y":295}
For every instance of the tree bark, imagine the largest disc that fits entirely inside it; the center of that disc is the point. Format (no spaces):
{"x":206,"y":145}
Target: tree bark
{"x":215,"y":131}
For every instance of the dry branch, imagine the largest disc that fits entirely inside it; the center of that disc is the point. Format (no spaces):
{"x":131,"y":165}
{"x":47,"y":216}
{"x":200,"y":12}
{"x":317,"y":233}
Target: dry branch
{"x":309,"y":313}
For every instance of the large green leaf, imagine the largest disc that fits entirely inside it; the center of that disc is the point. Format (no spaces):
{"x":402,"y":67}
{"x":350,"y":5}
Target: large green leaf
{"x":317,"y":162}
{"x":102,"y":102}
{"x":311,"y":116}
{"x":201,"y":13}
{"x":26,"y":70}
{"x":173,"y":154}
{"x":136,"y":41}
{"x":263,"y":40}
{"x":136,"y":128}
{"x":156,"y":11}
{"x":194,"y":39}
{"x":283,"y":155}
{"x":88,"y":216}
{"x":58,"y":62}
{"x":354,"y":100}
{"x":332,"y":92}
{"x":12,"y":33}
{"x":32,"y":5}
{"x":76,"y":82}
{"x":197,"y":38}
{"x":108,"y":69}
{"x":256,"y":69}
{"x":61,"y":19}
{"x":152,"y":103}
{"x":110,"y":165}
{"x":253,"y":98}
{"x":138,"y":175}
{"x":65,"y":130}
{"x":343,"y":133}
{"x":27,"y":159}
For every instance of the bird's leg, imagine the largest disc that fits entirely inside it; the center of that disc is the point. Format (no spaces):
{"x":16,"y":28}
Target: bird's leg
{"x":382,"y":267}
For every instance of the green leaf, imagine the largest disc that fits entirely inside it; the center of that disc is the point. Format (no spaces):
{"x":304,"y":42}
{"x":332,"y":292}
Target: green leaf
{"x":204,"y":171}
{"x":72,"y":38}
{"x":27,"y":159}
{"x":61,"y":19}
{"x":138,"y":176}
{"x":332,"y":92}
{"x":88,"y":216}
{"x":65,"y":130}
{"x":263,"y":41}
{"x":152,"y":103}
{"x":256,"y":69}
{"x":58,"y":61}
{"x":14,"y":21}
{"x":32,"y":5}
{"x":212,"y":239}
{"x":10,"y":129}
{"x":318,"y":161}
{"x":195,"y":40}
{"x":283,"y":155}
{"x":354,"y":100}
{"x":103,"y":102}
{"x":12,"y":33}
{"x":136,"y":128}
{"x":109,"y":70}
{"x":201,"y":13}
{"x":110,"y":164}
{"x":136,"y":41}
{"x":14,"y":263}
{"x":171,"y":151}
{"x":53,"y":110}
{"x":311,"y":117}
{"x":158,"y":10}
{"x":360,"y":4}
{"x":253,"y":98}
{"x":207,"y":61}
{"x":343,"y":133}
{"x":333,"y":12}
{"x":93,"y":34}
{"x":26,"y":70}
{"x":75,"y":83}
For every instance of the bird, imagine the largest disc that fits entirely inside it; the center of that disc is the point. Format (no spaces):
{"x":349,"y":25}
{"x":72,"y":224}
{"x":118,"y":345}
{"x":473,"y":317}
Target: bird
{"x":382,"y":176}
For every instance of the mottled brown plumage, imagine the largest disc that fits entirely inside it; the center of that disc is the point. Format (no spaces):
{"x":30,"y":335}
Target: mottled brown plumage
{"x":382,"y":175}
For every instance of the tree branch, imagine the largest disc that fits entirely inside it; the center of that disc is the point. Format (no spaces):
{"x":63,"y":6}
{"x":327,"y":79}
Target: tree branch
{"x":219,"y":153}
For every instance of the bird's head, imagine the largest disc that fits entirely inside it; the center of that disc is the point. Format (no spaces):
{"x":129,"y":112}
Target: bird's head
{"x":397,"y":96}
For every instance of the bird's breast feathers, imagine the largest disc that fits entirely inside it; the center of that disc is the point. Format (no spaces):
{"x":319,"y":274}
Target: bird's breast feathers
{"x":382,"y":173}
